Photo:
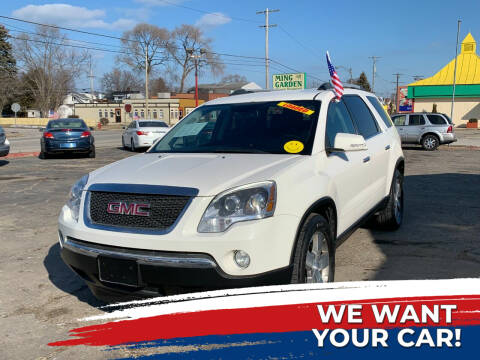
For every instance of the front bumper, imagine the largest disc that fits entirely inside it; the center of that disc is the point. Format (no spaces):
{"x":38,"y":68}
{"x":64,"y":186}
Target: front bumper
{"x":159,"y":271}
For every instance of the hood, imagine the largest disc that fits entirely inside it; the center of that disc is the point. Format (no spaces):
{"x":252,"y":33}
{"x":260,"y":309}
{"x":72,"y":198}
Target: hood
{"x":209,"y":173}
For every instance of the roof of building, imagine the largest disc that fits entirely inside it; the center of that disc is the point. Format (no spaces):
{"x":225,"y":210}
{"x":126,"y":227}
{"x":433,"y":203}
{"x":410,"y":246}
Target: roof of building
{"x":468,"y":67}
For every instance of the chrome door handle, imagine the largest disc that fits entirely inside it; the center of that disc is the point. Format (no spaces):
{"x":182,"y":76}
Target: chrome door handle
{"x":387,"y":147}
{"x":367,"y":159}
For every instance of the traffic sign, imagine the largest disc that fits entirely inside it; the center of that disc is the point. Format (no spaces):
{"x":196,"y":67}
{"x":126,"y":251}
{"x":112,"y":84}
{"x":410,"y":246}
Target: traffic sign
{"x":15,"y":107}
{"x":128,"y":108}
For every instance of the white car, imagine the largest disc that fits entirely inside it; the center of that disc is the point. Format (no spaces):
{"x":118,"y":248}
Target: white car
{"x":247,"y":190}
{"x":143,"y":133}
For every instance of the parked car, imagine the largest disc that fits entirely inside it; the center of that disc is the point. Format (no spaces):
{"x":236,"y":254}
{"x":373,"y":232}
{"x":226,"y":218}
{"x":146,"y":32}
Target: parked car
{"x":427,"y":129}
{"x":67,"y":136}
{"x":143,"y":133}
{"x":247,"y":190}
{"x":4,"y":143}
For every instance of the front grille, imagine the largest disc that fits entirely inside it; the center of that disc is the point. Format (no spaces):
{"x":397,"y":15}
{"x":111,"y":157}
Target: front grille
{"x":164,"y":210}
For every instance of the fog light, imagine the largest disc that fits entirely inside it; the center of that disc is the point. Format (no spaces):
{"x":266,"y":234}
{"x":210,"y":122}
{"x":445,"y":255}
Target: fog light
{"x":241,"y":258}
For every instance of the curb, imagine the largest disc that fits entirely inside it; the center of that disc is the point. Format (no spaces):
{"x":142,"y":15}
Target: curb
{"x":20,"y":155}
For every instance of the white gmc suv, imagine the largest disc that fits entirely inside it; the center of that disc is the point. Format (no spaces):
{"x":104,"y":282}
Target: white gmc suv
{"x":247,"y":190}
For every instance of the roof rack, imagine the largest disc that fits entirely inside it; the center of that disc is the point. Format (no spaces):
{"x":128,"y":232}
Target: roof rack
{"x":328,"y":85}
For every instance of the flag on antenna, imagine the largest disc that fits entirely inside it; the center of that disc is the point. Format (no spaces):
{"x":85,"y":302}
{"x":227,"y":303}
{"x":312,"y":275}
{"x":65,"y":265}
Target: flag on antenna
{"x":337,"y":84}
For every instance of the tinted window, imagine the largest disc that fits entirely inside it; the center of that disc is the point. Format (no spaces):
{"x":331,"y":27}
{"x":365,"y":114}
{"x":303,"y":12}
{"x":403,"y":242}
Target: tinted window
{"x":277,"y":127}
{"x":400,"y":120}
{"x":366,"y":124}
{"x":380,"y":109}
{"x":436,"y":119}
{"x":66,"y":124}
{"x":416,"y":120}
{"x":338,"y":121}
{"x":152,"y":123}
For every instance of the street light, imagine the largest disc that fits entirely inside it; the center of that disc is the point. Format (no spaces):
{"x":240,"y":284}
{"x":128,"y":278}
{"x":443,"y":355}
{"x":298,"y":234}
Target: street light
{"x":196,"y":58}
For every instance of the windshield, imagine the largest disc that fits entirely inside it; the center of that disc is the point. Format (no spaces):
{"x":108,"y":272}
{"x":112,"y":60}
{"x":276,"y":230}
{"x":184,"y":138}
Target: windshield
{"x":66,"y":124}
{"x":152,"y":124}
{"x":285,"y":127}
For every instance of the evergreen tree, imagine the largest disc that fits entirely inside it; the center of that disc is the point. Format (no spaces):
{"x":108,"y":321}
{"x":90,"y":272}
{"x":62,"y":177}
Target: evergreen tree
{"x":8,"y":69}
{"x":362,"y":81}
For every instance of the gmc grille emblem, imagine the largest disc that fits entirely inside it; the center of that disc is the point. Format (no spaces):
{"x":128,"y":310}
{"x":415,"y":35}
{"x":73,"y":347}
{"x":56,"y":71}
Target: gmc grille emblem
{"x":124,"y":208}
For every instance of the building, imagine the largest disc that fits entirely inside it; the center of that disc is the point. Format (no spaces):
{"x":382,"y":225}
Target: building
{"x":209,"y":92}
{"x":435,"y":93}
{"x":186,"y":103}
{"x":160,"y":109}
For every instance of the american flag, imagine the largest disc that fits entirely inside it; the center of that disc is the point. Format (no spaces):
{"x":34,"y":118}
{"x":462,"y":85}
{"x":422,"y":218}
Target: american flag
{"x":337,"y":84}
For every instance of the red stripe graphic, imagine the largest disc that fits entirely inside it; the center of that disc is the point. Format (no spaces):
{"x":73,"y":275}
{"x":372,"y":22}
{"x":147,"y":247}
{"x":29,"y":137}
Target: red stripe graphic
{"x":269,"y":319}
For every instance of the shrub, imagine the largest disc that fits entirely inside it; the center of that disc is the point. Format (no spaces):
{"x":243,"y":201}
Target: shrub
{"x":104,"y":121}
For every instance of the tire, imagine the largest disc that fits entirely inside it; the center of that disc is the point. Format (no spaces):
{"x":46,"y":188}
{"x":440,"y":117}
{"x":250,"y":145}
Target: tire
{"x":132,"y":145}
{"x":315,"y":230}
{"x":123,"y":143}
{"x":391,"y":217}
{"x":92,"y":154}
{"x":43,"y":155}
{"x":430,"y":142}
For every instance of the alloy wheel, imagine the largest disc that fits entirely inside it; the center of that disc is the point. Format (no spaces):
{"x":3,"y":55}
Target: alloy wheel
{"x":397,"y":200}
{"x":317,"y":260}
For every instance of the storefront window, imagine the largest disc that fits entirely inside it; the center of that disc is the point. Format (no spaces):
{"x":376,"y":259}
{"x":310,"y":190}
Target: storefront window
{"x":100,"y":113}
{"x":154,"y":114}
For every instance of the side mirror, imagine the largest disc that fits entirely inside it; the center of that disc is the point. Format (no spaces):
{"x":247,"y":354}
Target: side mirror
{"x":349,"y":142}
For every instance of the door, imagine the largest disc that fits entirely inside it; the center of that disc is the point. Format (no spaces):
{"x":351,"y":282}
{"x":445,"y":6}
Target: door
{"x":400,"y":122}
{"x":118,"y":115}
{"x":415,"y":127}
{"x":377,"y":157}
{"x":348,"y":170}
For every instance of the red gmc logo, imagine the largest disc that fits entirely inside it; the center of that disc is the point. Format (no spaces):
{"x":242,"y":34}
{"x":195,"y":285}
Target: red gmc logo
{"x":124,"y":208}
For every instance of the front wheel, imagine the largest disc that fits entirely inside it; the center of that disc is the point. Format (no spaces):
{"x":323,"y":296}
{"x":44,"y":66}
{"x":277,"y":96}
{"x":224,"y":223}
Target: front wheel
{"x":132,"y":145}
{"x":314,"y":258}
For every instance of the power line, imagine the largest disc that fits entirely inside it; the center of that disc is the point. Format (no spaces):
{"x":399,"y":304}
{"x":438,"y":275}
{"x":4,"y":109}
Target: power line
{"x":298,"y":42}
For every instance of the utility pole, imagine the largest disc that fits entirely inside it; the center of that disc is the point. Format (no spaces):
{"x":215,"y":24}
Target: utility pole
{"x":374,"y":70}
{"x":196,"y":58}
{"x":91,"y":78}
{"x":267,"y":26}
{"x":146,"y":82}
{"x":455,"y":69}
{"x":396,"y":91}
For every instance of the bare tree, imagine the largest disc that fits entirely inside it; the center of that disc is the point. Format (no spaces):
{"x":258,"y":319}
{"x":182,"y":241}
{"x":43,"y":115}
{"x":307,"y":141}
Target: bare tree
{"x":50,"y":66}
{"x":120,"y":80}
{"x":159,"y":85}
{"x":234,"y":78}
{"x":188,"y":40}
{"x":144,"y":41}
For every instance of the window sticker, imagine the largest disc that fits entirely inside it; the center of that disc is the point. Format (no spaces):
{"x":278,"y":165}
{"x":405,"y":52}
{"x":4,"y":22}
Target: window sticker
{"x":293,"y":147}
{"x":294,"y":107}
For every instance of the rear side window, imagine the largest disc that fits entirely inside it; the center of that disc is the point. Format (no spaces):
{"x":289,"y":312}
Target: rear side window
{"x":338,"y":121}
{"x":436,"y":119}
{"x":416,"y":120}
{"x":381,"y":111}
{"x":363,"y":118}
{"x":400,"y":120}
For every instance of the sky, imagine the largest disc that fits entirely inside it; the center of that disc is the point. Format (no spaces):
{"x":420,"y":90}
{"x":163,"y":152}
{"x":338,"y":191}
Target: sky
{"x":409,"y":37}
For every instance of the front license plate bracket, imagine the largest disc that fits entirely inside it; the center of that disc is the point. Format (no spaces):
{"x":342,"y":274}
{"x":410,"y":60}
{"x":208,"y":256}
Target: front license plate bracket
{"x":118,"y":271}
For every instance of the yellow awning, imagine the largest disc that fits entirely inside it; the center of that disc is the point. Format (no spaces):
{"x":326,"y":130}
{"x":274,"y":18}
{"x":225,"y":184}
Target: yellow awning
{"x":468,"y":67}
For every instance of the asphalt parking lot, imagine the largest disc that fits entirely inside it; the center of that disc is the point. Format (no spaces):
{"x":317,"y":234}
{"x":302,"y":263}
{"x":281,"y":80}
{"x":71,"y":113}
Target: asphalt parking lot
{"x":41,"y":299}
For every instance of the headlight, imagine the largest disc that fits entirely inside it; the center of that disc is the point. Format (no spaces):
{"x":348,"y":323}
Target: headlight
{"x":248,"y":202}
{"x":76,"y":196}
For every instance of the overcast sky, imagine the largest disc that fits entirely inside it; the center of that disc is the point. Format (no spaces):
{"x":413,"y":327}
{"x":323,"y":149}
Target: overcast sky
{"x":412,"y":38}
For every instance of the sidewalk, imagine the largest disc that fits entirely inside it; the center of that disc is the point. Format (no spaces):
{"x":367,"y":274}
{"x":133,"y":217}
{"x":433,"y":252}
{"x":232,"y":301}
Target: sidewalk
{"x":467,"y":137}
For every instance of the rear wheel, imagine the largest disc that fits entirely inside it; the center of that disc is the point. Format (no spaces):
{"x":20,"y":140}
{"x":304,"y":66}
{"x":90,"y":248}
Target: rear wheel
{"x":43,"y":155}
{"x":314,"y":258}
{"x":92,"y":154}
{"x":430,"y":142}
{"x":391,"y":217}
{"x":123,"y":143}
